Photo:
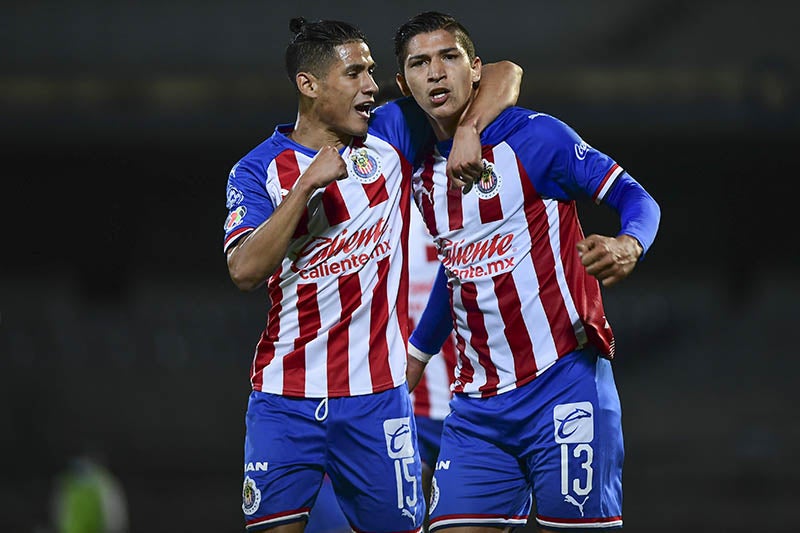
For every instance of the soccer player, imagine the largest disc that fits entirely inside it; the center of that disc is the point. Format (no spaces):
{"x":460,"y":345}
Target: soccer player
{"x":535,"y":405}
{"x":320,"y":211}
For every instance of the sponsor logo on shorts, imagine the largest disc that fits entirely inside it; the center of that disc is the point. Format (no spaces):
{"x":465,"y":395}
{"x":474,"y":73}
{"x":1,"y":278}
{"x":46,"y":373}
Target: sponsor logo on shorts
{"x":256,"y":466}
{"x":574,"y":422}
{"x":398,"y":437}
{"x":251,"y":496}
{"x":443,"y":465}
{"x":568,"y":498}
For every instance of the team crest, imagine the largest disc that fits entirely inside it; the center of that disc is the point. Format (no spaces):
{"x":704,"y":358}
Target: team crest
{"x":434,"y":495}
{"x":251,"y":496}
{"x":235,"y":217}
{"x":366,"y":167}
{"x":488,"y":185}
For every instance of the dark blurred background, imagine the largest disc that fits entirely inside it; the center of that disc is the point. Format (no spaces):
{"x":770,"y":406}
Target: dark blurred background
{"x":121,"y":335}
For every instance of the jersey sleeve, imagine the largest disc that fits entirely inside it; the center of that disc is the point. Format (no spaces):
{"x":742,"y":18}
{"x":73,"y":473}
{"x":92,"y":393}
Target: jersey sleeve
{"x":560,"y":163}
{"x":250,"y":200}
{"x":436,"y":322}
{"x":404,"y":125}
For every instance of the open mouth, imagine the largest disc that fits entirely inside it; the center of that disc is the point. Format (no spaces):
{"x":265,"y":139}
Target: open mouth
{"x":438,"y":96}
{"x":364,"y":109}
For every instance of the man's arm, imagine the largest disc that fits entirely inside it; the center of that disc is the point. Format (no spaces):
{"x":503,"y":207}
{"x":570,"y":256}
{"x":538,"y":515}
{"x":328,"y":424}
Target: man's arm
{"x":612,"y":259}
{"x":498,"y":90}
{"x":252,"y":260}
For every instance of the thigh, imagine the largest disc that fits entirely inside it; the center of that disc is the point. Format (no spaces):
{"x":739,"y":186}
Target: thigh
{"x":374,"y":462}
{"x":576,"y":463}
{"x":477,"y":481}
{"x":284,"y":457}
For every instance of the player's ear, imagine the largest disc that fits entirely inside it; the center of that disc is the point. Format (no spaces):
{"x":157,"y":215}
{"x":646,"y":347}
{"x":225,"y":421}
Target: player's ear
{"x":401,"y":83}
{"x":307,"y":84}
{"x":476,"y":70}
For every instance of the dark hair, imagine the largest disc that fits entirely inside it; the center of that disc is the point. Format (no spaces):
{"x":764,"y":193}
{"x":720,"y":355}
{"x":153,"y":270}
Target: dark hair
{"x":427,"y":22}
{"x":312,"y":46}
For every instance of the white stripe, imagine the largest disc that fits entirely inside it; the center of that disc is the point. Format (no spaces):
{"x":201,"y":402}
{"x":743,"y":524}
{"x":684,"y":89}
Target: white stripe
{"x":608,"y":184}
{"x":495,"y":520}
{"x":555,"y":243}
{"x":583,"y":525}
{"x":278,"y":519}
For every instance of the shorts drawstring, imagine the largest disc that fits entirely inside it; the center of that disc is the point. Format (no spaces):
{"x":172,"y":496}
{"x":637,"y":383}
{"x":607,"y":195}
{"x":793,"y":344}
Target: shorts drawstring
{"x":322,"y":410}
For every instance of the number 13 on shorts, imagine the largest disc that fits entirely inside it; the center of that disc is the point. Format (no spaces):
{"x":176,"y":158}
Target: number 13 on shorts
{"x":574,"y":425}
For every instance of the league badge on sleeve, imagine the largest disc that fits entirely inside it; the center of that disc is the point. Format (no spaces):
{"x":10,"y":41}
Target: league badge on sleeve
{"x":235,"y":217}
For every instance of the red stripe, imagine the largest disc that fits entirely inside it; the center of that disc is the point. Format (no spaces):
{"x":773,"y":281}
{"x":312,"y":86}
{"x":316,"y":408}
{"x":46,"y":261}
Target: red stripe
{"x":544,"y":262}
{"x":491,"y":210}
{"x":601,"y":520}
{"x":516,"y":331}
{"x":479,"y":339}
{"x":466,"y":372}
{"x":339,"y":336}
{"x":254,"y":521}
{"x":265,"y":349}
{"x":584,"y":288}
{"x":455,"y":213}
{"x":376,"y":191}
{"x":235,"y":235}
{"x":403,"y":315}
{"x":426,"y":198}
{"x":335,"y":208}
{"x":288,"y":172}
{"x":294,"y":363}
{"x":603,"y":182}
{"x":379,"y":369}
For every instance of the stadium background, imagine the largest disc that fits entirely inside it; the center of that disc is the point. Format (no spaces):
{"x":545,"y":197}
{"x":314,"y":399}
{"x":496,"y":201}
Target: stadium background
{"x":121,"y":334}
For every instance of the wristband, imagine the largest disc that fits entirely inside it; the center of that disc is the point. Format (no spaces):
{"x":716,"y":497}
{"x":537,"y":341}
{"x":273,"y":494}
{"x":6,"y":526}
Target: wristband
{"x":418,"y":354}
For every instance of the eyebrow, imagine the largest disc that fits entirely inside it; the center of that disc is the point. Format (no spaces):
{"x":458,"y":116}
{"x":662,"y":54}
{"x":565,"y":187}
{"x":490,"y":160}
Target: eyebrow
{"x":439,"y":52}
{"x":358,"y":67}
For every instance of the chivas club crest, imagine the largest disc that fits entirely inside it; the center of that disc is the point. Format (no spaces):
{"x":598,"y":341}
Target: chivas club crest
{"x":488,"y":185}
{"x":251,"y":496}
{"x":365,"y":167}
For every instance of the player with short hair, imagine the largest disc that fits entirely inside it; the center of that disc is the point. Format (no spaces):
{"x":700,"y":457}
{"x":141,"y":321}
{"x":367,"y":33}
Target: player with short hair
{"x":320,"y":211}
{"x":535,"y":405}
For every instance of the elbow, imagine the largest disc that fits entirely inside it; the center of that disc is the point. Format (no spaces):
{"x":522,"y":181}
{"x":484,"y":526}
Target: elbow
{"x":244,"y":280}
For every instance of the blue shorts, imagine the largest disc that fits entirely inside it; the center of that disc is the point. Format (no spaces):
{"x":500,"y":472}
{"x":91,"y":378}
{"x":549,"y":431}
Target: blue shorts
{"x":326,"y":516}
{"x":429,"y":438}
{"x":558,"y":437}
{"x":366,"y":445}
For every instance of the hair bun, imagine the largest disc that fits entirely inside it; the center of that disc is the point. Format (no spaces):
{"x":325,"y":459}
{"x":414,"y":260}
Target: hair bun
{"x":296,"y":25}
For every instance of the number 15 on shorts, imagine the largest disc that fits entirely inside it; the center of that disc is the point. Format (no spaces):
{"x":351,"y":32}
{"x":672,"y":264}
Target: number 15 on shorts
{"x":400,"y":448}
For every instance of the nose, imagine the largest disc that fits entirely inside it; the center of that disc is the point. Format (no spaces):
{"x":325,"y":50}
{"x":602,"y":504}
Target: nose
{"x":435,"y":70}
{"x":369,"y":86}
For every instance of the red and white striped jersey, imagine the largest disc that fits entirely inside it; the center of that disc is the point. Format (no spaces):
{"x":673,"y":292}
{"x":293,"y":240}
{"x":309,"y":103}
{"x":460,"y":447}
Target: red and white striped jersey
{"x":520,"y":296}
{"x":338,"y":319}
{"x":431,"y":396}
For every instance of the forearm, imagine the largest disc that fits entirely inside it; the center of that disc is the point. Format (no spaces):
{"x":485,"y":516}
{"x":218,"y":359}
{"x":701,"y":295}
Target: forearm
{"x":498,"y":90}
{"x":261,"y":252}
{"x":639,"y":213}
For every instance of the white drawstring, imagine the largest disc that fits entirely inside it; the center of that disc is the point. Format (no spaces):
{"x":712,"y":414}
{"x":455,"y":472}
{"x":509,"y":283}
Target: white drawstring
{"x":323,"y":406}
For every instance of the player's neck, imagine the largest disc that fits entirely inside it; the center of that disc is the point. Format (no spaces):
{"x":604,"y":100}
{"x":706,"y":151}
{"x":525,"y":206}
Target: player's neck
{"x":314,"y":134}
{"x":445,"y":127}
